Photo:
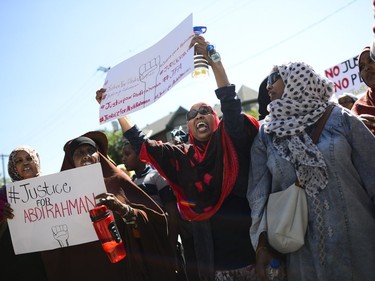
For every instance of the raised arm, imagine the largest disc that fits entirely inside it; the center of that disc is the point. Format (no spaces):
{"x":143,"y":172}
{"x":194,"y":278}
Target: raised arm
{"x":200,"y":45}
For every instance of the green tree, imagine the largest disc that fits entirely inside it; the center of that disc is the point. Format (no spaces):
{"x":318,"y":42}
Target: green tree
{"x":253,"y":112}
{"x":115,"y":142}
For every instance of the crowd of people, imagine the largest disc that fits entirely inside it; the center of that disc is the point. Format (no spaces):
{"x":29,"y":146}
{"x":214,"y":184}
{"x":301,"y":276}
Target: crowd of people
{"x":196,"y":209}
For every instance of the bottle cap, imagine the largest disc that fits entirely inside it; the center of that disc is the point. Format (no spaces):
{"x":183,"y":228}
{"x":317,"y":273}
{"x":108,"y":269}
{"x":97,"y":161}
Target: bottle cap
{"x":210,"y":47}
{"x":275,"y":263}
{"x":198,"y":30}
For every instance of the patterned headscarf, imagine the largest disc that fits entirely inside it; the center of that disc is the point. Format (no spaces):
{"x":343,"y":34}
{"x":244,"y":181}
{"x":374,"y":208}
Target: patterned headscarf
{"x":12,"y":171}
{"x":303,"y":102}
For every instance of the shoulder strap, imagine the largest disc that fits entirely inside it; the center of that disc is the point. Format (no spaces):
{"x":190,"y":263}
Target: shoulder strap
{"x":321,"y":122}
{"x":318,"y":129}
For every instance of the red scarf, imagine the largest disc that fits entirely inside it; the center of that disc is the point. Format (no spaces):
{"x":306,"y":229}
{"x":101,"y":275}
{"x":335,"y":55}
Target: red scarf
{"x":202,"y":175}
{"x":365,"y":104}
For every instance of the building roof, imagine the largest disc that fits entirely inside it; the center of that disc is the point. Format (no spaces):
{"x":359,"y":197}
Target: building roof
{"x":165,"y":122}
{"x":247,"y":94}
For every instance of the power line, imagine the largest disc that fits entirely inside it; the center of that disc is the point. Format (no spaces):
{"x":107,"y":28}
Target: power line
{"x":293,"y":35}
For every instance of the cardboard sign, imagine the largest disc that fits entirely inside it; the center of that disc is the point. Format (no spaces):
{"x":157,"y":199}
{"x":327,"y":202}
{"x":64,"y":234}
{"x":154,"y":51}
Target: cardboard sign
{"x":144,"y":78}
{"x":53,"y":211}
{"x":346,"y":77}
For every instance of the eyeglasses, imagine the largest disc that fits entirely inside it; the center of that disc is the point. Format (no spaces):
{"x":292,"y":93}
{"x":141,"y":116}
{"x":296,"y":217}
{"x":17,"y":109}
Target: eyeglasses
{"x":203,"y":110}
{"x":273,"y":77}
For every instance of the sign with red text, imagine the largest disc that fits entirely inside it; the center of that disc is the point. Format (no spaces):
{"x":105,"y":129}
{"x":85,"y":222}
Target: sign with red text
{"x":53,"y":211}
{"x":346,"y":78}
{"x":144,"y":78}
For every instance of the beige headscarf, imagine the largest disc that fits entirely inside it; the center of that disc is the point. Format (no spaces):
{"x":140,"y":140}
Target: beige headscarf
{"x":12,"y":171}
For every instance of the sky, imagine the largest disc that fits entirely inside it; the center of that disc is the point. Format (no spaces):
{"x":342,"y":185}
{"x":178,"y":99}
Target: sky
{"x":51,"y":50}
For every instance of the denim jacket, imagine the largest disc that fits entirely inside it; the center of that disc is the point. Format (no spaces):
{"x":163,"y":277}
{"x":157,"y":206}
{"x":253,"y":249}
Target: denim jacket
{"x":339,"y":243}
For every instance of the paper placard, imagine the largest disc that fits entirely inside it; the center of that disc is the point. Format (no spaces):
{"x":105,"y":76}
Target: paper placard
{"x":53,"y":211}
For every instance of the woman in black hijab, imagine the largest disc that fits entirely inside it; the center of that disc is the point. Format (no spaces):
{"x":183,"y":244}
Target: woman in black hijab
{"x":141,"y":223}
{"x":263,"y":99}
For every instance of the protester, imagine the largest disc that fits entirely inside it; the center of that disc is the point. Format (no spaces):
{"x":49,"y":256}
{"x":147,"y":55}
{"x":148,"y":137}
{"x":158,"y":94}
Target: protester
{"x":364,"y":107}
{"x":151,"y":182}
{"x":209,"y":177}
{"x":23,"y":163}
{"x":347,"y":100}
{"x":179,"y":136}
{"x":123,"y":168}
{"x":141,"y":222}
{"x":335,"y":174}
{"x":263,"y":100}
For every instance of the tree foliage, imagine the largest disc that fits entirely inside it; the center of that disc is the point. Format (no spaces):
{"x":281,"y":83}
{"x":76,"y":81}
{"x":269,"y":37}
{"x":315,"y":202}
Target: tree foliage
{"x":253,"y":112}
{"x":115,"y":142}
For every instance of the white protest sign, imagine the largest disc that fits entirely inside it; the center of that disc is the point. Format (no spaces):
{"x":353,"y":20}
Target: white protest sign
{"x":144,"y":78}
{"x":53,"y":211}
{"x":346,"y":77}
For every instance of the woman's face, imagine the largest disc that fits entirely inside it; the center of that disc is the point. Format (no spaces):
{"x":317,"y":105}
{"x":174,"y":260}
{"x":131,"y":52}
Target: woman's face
{"x":202,"y":124}
{"x":275,"y":85}
{"x":367,"y":69}
{"x":84,"y":155}
{"x":25,"y":166}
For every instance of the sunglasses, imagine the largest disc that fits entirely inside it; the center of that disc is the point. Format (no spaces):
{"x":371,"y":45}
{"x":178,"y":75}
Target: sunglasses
{"x":203,"y":110}
{"x":273,"y":77}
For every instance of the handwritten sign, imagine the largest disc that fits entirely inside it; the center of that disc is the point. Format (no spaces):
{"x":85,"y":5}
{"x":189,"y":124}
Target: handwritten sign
{"x":146,"y":77}
{"x":346,"y":77}
{"x":53,"y":211}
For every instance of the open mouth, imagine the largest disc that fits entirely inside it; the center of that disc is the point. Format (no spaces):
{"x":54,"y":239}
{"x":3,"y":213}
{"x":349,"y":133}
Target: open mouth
{"x":201,"y":126}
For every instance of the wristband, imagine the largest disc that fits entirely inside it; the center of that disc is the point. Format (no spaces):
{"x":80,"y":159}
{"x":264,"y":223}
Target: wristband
{"x":213,"y":55}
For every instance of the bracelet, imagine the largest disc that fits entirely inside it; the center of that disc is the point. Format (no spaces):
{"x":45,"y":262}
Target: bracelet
{"x":215,"y":57}
{"x":212,"y":54}
{"x":129,"y":215}
{"x":260,"y":248}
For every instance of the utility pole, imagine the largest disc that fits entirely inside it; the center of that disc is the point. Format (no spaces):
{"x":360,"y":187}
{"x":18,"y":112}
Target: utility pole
{"x":2,"y":160}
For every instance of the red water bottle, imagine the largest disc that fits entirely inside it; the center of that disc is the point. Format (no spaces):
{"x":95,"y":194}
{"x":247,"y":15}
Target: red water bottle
{"x":108,"y":233}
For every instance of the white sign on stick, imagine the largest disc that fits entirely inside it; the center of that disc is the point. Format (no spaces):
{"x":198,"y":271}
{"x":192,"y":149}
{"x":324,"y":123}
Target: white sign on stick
{"x":53,"y":211}
{"x":144,"y":78}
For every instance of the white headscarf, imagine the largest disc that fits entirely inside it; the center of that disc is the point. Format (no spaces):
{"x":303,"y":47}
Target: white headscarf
{"x":303,"y":102}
